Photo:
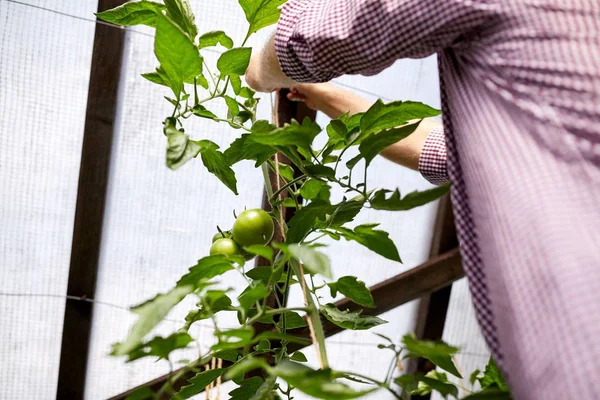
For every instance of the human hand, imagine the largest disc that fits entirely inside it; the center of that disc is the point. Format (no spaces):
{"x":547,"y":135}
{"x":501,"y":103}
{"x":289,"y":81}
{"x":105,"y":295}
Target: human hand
{"x":317,"y":96}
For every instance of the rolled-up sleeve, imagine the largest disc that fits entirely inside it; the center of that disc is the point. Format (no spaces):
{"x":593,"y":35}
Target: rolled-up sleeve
{"x":433,"y":161}
{"x":318,"y":40}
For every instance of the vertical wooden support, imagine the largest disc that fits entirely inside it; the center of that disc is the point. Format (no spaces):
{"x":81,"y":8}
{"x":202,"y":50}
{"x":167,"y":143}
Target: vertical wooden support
{"x":433,"y":308}
{"x":89,"y":212}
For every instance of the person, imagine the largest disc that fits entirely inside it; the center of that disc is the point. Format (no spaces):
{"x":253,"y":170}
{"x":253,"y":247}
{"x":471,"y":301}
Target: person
{"x":520,"y":93}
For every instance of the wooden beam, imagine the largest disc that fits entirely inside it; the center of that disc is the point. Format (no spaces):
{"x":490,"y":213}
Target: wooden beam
{"x":89,"y":211}
{"x":428,"y":277}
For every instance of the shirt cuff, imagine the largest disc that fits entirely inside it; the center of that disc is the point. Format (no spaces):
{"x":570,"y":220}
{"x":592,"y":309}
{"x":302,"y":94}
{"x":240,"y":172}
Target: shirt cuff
{"x":289,"y":46}
{"x":433,"y":161}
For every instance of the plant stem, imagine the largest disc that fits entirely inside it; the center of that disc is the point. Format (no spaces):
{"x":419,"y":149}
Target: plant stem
{"x":286,"y":309}
{"x":314,"y":320}
{"x":273,"y":197}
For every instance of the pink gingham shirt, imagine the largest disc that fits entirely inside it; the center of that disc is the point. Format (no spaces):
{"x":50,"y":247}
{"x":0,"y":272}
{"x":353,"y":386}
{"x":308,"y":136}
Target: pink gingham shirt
{"x":520,"y":88}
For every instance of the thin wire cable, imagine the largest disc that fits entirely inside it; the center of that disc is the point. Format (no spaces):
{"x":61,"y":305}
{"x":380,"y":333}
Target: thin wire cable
{"x":129,"y":29}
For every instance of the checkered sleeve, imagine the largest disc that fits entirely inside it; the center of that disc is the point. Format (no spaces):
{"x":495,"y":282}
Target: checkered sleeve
{"x":318,"y":40}
{"x":434,"y":158}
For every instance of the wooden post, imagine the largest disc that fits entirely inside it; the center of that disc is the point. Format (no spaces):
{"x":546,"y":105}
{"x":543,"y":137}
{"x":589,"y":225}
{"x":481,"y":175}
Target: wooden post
{"x":89,"y":211}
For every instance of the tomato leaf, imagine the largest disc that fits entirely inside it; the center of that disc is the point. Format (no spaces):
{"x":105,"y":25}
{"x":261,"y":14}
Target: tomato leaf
{"x":216,"y":163}
{"x":422,"y":385}
{"x":311,"y":188}
{"x":213,"y":301}
{"x":375,"y":240}
{"x":178,"y":57}
{"x":261,"y":13}
{"x":312,"y":260}
{"x":143,"y":393}
{"x":234,"y":61}
{"x":438,"y":353}
{"x":150,"y":313}
{"x":350,"y":320}
{"x":254,"y":292}
{"x":492,"y":377}
{"x":206,"y":269}
{"x":305,"y":218}
{"x":293,"y":320}
{"x":292,"y":134}
{"x":246,"y":390}
{"x":161,"y":347}
{"x":298,"y":356}
{"x":262,"y":273}
{"x":214,"y":38}
{"x":410,"y":201}
{"x":155,"y":77}
{"x":317,"y":383}
{"x":244,"y":148}
{"x":353,"y":289}
{"x":181,"y":13}
{"x":382,"y":116}
{"x":201,"y":111}
{"x":133,"y":13}
{"x":180,"y":149}
{"x":199,"y":383}
{"x":372,"y":145}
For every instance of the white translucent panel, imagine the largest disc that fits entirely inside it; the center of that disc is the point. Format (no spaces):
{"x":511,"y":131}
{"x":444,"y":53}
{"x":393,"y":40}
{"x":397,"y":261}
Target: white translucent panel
{"x":44,"y":73}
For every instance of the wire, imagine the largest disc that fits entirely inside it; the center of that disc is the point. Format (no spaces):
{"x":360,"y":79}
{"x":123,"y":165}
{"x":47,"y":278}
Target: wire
{"x":129,"y":29}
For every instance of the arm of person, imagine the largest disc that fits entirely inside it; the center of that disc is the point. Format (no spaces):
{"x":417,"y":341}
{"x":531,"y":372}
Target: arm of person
{"x":424,"y":150}
{"x":318,"y":40}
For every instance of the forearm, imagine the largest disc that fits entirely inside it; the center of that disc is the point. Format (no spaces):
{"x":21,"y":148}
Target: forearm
{"x":264,"y":73}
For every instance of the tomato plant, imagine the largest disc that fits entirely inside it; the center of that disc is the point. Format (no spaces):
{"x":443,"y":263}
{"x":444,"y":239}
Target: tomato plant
{"x":194,"y":88}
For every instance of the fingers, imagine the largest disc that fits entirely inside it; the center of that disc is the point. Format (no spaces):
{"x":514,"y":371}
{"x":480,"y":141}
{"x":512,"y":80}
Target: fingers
{"x":295,"y":96}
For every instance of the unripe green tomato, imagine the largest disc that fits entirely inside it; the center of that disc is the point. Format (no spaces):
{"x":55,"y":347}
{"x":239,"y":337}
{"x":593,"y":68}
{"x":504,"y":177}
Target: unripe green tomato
{"x":253,"y":227}
{"x":221,"y":235}
{"x":226,"y":247}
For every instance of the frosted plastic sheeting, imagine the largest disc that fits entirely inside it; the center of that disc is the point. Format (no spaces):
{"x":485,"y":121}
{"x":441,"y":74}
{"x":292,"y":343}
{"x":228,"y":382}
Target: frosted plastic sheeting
{"x":44,"y":74}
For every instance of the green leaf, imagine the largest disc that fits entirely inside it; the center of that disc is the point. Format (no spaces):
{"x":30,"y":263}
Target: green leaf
{"x":410,"y":201}
{"x":375,"y":240}
{"x":232,"y":106}
{"x":372,"y":145}
{"x":181,"y":13}
{"x":353,"y":289}
{"x":180,"y":149}
{"x":178,"y":57}
{"x":201,"y":111}
{"x":216,"y":163}
{"x":199,"y":383}
{"x":350,"y":320}
{"x":316,"y":383}
{"x":343,"y":212}
{"x":246,"y":93}
{"x":473,"y":376}
{"x":292,"y":134}
{"x":492,"y":377}
{"x":422,"y":385}
{"x":286,"y":171}
{"x":246,"y":365}
{"x":491,"y":393}
{"x":133,"y":13}
{"x":262,"y":273}
{"x":142,"y":393}
{"x":261,"y":13}
{"x":206,"y":269}
{"x":293,"y":320}
{"x":247,"y":389}
{"x":150,"y":314}
{"x":214,"y":38}
{"x":244,"y":148}
{"x":161,"y":347}
{"x":213,"y":301}
{"x":386,"y":116}
{"x":312,"y":260}
{"x":320,"y":171}
{"x":256,"y":291}
{"x":236,"y":83}
{"x":155,"y":77}
{"x":298,"y":356}
{"x":234,"y":61}
{"x":305,"y":218}
{"x":438,"y":353}
{"x":311,"y":188}
{"x":337,"y":130}
{"x":261,"y":250}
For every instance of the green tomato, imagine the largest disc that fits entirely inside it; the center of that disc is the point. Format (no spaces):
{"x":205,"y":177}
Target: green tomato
{"x":221,"y":235}
{"x":226,"y":247}
{"x":253,"y":227}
